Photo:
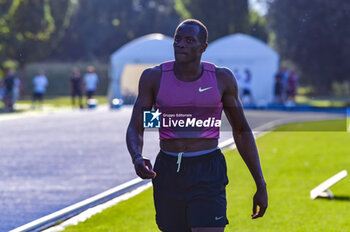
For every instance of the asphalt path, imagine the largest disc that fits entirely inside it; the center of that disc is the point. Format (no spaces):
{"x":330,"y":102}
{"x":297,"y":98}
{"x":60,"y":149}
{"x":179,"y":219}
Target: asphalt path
{"x":51,"y":161}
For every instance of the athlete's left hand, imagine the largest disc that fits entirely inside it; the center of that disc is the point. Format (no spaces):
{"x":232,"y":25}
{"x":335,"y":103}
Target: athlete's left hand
{"x":143,"y":168}
{"x":260,"y":199}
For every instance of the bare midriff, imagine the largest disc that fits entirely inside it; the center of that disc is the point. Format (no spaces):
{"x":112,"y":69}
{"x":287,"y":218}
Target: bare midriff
{"x":188,"y":144}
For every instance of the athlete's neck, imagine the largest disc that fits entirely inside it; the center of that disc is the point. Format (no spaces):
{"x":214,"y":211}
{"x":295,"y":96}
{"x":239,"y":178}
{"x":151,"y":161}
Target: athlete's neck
{"x":188,"y":71}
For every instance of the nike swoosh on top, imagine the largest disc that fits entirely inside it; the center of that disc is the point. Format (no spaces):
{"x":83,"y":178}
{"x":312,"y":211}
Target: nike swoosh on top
{"x":218,"y":218}
{"x":202,"y":90}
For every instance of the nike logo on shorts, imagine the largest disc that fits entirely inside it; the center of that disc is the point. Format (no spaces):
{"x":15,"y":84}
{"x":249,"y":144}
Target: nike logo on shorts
{"x":218,"y":218}
{"x":202,"y":90}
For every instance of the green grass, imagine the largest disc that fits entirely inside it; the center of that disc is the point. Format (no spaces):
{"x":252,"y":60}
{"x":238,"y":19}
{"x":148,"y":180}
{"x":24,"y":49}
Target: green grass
{"x":293,"y":164}
{"x":321,"y":126}
{"x":305,"y":90}
{"x":306,"y":96}
{"x":323,"y":101}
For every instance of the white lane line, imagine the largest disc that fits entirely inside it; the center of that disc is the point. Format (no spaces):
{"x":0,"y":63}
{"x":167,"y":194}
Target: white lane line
{"x":97,"y":209}
{"x":42,"y":223}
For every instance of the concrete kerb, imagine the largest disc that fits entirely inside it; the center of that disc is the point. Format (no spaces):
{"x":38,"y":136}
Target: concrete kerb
{"x":63,"y":214}
{"x":97,"y":209}
{"x":83,"y":210}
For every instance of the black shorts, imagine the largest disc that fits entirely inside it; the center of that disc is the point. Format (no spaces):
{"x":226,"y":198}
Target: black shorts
{"x":246,"y":92}
{"x":76,"y":92}
{"x":90,"y":93}
{"x":193,"y":197}
{"x":38,"y":96}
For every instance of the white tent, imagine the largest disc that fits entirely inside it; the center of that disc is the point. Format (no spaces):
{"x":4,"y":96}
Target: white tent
{"x":149,"y":49}
{"x":239,"y":51}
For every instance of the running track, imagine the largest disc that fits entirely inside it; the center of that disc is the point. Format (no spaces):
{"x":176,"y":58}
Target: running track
{"x":50,"y":161}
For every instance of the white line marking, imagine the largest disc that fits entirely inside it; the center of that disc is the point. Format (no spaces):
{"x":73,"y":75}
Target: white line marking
{"x":97,"y":209}
{"x":327,"y":184}
{"x":34,"y":225}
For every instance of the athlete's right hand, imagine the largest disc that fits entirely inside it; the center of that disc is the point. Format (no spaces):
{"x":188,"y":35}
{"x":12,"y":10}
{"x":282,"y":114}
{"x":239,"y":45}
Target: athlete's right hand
{"x":143,"y":168}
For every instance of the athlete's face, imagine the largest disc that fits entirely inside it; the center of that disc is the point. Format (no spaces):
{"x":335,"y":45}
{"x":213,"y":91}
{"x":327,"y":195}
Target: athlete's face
{"x":187,"y":46}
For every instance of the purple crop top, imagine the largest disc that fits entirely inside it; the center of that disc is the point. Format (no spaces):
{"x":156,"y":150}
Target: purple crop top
{"x":189,"y":109}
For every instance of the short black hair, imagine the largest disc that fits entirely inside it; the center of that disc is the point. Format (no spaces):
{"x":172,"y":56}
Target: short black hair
{"x":203,"y":31}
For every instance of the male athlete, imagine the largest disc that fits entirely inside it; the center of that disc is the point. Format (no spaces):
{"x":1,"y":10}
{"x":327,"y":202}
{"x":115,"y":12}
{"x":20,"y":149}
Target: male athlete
{"x":189,"y":175}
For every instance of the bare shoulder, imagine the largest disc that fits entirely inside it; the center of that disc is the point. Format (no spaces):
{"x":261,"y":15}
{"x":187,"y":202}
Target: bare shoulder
{"x":226,"y":80}
{"x":151,"y":75}
{"x":148,"y":87}
{"x":225,"y":74}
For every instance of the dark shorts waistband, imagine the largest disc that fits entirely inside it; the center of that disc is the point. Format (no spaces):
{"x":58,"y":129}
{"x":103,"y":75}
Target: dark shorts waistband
{"x":203,"y":157}
{"x":191,"y":154}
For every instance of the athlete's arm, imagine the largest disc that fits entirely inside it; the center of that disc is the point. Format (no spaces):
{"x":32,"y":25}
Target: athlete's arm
{"x":134,"y":135}
{"x":243,"y":137}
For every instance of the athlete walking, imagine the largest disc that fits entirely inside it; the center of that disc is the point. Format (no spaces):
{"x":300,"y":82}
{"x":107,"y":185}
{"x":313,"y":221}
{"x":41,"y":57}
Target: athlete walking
{"x":189,"y":176}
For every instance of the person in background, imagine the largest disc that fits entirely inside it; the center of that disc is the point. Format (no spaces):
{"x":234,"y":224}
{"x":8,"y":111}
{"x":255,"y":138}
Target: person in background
{"x":90,"y":82}
{"x":285,"y":75}
{"x":8,"y":89}
{"x":278,"y":90}
{"x":2,"y":89}
{"x":16,"y":90}
{"x":75,"y":87}
{"x":246,"y":86}
{"x":40,"y":83}
{"x":292,"y":84}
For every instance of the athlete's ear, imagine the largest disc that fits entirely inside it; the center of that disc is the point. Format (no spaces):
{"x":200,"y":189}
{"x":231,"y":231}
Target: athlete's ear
{"x":204,"y":47}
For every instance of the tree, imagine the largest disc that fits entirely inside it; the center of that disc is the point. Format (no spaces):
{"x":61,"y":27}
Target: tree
{"x":315,"y":36}
{"x":257,"y":26}
{"x":30,"y":30}
{"x":100,"y":27}
{"x":222,"y":17}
